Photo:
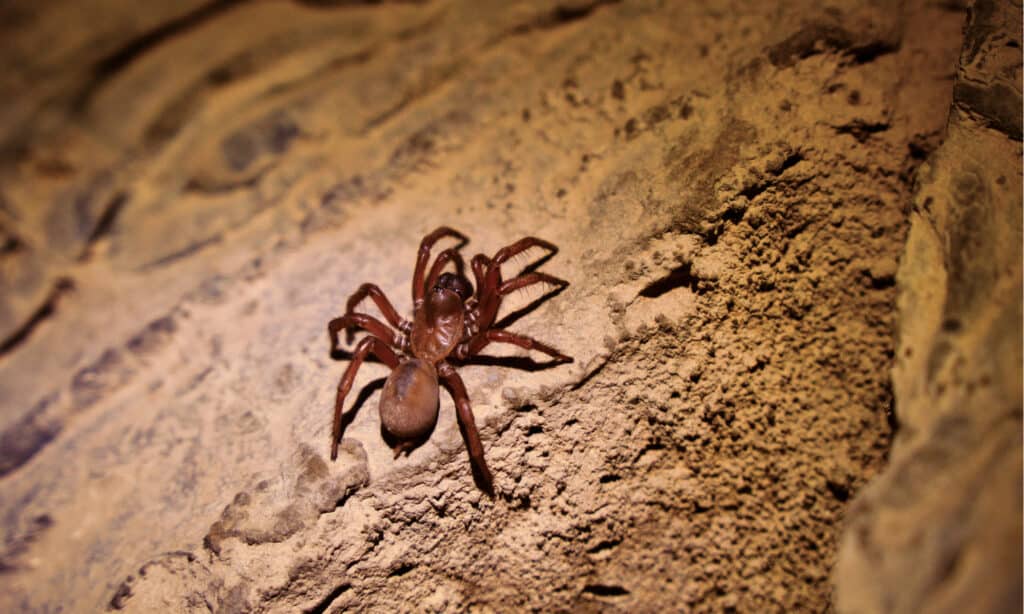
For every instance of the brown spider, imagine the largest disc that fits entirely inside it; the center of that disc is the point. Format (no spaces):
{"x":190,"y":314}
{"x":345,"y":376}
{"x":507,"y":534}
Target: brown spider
{"x":449,"y":320}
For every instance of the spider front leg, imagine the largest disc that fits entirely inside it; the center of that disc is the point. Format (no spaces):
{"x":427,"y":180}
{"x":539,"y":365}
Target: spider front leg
{"x":479,"y":264}
{"x":529,"y":279}
{"x":365,"y":347}
{"x":486,"y":314}
{"x":423,"y":256}
{"x":490,"y":290}
{"x":486,"y":309}
{"x":467,"y":425}
{"x":382,"y":302}
{"x":506,"y":253}
{"x":480,"y":341}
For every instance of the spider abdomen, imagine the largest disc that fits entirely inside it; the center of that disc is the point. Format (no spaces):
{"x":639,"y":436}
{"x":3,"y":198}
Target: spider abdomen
{"x":409,"y":401}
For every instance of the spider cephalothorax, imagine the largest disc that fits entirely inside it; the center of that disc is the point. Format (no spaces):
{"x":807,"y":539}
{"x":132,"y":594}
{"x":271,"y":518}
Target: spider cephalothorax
{"x":450,"y":320}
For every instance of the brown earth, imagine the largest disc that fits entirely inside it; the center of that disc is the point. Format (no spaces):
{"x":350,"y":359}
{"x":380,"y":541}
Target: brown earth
{"x":191,"y":191}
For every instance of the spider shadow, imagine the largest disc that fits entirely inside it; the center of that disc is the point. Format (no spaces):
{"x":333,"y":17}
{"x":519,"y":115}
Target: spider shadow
{"x":530,"y":267}
{"x":340,"y":354}
{"x":514,"y":316}
{"x":364,"y":395}
{"x":523,"y":363}
{"x":536,"y":264}
{"x":361,"y":398}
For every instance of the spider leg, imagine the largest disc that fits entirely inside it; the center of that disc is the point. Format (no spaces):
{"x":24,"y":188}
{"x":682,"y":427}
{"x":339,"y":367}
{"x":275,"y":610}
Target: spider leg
{"x":479,"y":264}
{"x":488,"y":310}
{"x":479,"y":342}
{"x":528,"y":280}
{"x":448,"y":255}
{"x":369,"y":323}
{"x":424,"y":255}
{"x":467,"y":425}
{"x":382,"y":302}
{"x":485,"y":319}
{"x":506,"y":253}
{"x":365,"y":347}
{"x":491,"y":295}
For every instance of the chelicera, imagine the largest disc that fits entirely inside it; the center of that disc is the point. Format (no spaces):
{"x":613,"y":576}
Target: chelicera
{"x":450,"y":321}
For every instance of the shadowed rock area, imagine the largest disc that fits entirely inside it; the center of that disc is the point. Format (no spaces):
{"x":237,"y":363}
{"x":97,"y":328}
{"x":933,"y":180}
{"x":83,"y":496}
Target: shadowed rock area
{"x":792,"y":234}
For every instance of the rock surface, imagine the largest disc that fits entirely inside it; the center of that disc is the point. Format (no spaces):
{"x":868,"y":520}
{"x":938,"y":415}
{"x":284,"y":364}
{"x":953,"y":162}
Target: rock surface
{"x":940,"y":529}
{"x":191,"y":191}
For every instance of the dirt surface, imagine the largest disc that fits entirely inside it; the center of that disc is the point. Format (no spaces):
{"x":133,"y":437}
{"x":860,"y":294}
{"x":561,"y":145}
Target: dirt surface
{"x":191,"y":192}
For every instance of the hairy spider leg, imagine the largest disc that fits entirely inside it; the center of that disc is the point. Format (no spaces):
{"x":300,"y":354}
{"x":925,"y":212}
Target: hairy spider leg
{"x":448,"y":255}
{"x":494,"y":335}
{"x":479,"y":265}
{"x":529,"y":279}
{"x":510,"y":286}
{"x":453,"y":382}
{"x":365,"y":347}
{"x":423,"y":256}
{"x":368,"y":323}
{"x":382,"y":302}
{"x":487,"y":309}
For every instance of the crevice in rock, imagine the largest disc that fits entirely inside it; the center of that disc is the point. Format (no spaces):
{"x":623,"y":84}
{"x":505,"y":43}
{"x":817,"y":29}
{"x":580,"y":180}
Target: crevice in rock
{"x":734,"y":215}
{"x":818,"y":38}
{"x":871,"y":51}
{"x":27,"y":436}
{"x":603,"y":545}
{"x":556,"y":17}
{"x":182,"y":253}
{"x":105,"y":69}
{"x":840,"y":491}
{"x":11,"y":244}
{"x":105,"y":223}
{"x":326,"y":602}
{"x":861,"y":130}
{"x":750,"y":192}
{"x":681,"y":276}
{"x":401,"y":570}
{"x":62,"y":286}
{"x":791,"y":160}
{"x":605,"y":590}
{"x":410,"y":98}
{"x":567,"y":14}
{"x":197,"y":186}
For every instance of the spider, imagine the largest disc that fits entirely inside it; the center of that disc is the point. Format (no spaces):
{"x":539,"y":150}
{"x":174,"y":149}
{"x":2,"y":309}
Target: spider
{"x":450,"y":320}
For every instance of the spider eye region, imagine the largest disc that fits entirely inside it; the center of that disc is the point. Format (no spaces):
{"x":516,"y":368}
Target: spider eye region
{"x":456,"y":283}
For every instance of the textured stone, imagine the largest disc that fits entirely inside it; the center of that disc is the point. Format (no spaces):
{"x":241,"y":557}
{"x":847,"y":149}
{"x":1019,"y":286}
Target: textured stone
{"x":940,"y":529}
{"x":194,"y":194}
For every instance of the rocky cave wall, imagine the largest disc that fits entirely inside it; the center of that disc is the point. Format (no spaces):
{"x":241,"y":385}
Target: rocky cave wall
{"x":191,"y":191}
{"x":940,"y":529}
